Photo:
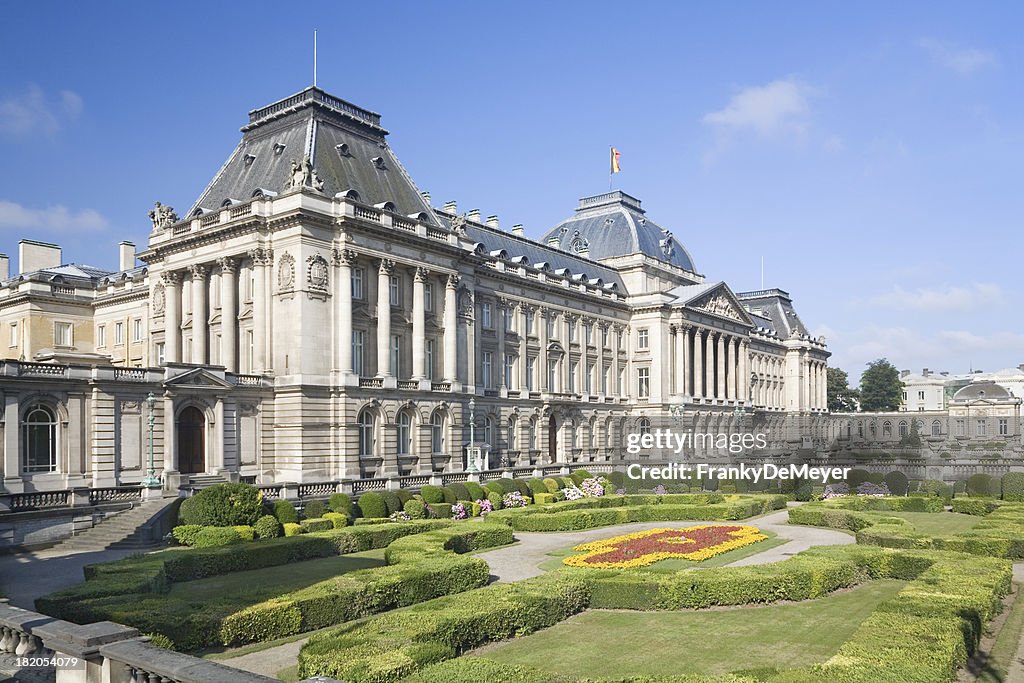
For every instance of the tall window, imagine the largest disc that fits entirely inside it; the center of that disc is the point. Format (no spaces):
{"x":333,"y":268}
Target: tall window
{"x":137,"y":330}
{"x":367,"y":434}
{"x":489,"y":431}
{"x":961,"y":428}
{"x":886,"y":429}
{"x":589,"y":333}
{"x":485,"y":316}
{"x":1004,"y":426}
{"x":643,"y":338}
{"x":428,"y":297}
{"x":118,"y":334}
{"x":357,"y":283}
{"x":573,"y":369}
{"x":572,"y":330}
{"x":506,"y":318}
{"x":552,"y":375}
{"x":904,"y":430}
{"x":160,"y":353}
{"x":588,"y":379}
{"x":488,"y":358}
{"x":358,"y":355}
{"x":920,"y":395}
{"x":250,"y":345}
{"x":394,"y":290}
{"x":529,"y":322}
{"x":101,"y":336}
{"x":396,"y":355}
{"x":62,"y":334}
{"x":39,"y":435}
{"x":643,"y":382}
{"x":936,"y":428}
{"x":429,"y":358}
{"x":510,"y":361}
{"x":550,"y":322}
{"x":533,"y":434}
{"x":604,"y":380}
{"x":512,"y":437}
{"x":531,"y":366}
{"x":404,"y":433}
{"x":981,"y":428}
{"x":14,"y":334}
{"x":437,"y":432}
{"x":643,"y":426}
{"x":604,"y":337}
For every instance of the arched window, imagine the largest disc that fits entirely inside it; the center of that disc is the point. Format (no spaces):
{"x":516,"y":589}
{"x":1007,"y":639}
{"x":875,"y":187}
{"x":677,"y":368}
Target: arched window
{"x":592,"y":434}
{"x":404,"y":423}
{"x":860,"y":430}
{"x":437,"y":441}
{"x":513,"y":436}
{"x":533,"y":434}
{"x":886,"y":429}
{"x":574,"y":434}
{"x":643,"y":425}
{"x":936,"y":428}
{"x":367,"y":434}
{"x":904,"y":429}
{"x":489,"y":431}
{"x":39,"y":434}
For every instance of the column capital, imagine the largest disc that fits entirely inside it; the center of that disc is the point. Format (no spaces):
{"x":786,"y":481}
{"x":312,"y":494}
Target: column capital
{"x":387,"y":266}
{"x":261,"y":256}
{"x":171,"y":278}
{"x":199,"y":270}
{"x":343,"y":257}
{"x":453,"y":280}
{"x":421,"y":274}
{"x":228,"y":264}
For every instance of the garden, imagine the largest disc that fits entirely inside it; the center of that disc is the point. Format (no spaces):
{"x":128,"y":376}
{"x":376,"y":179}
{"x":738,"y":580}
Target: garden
{"x":392,"y":587}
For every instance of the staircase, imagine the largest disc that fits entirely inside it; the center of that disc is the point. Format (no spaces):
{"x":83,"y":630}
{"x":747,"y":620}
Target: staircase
{"x":130,"y":529}
{"x":202,"y":481}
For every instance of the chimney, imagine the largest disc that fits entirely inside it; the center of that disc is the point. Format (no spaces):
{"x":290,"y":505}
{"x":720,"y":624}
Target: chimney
{"x":904,"y":373}
{"x":426,"y":197}
{"x":926,"y":372}
{"x":517,"y":229}
{"x":555,"y":241}
{"x":34,"y":255}
{"x":492,"y":222}
{"x":5,"y":267}
{"x":1019,"y":367}
{"x":451,"y":207}
{"x":473,"y":215}
{"x":127,"y":251}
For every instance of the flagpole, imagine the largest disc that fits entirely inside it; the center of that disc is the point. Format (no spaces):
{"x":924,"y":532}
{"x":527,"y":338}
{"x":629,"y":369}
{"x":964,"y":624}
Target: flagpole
{"x":611,"y":166}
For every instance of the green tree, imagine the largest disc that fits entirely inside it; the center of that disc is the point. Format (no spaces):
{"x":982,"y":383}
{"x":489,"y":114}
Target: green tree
{"x":880,"y":387}
{"x":841,"y":398}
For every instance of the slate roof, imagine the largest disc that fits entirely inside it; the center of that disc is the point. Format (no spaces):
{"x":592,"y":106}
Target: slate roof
{"x":775,"y":306}
{"x":987,"y":390}
{"x":613,"y":224}
{"x":345,"y":143}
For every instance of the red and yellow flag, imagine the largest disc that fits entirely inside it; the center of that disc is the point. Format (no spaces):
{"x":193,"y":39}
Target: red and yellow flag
{"x":615,"y":161}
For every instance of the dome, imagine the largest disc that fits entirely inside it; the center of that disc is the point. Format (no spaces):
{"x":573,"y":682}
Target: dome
{"x":981,"y":390}
{"x":613,"y":224}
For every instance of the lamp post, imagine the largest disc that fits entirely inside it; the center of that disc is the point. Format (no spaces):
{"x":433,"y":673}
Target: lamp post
{"x":151,"y":481}
{"x":471,"y":452}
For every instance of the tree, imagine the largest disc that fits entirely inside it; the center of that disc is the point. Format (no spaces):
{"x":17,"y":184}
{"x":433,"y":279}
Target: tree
{"x":880,"y":387}
{"x":841,"y":398}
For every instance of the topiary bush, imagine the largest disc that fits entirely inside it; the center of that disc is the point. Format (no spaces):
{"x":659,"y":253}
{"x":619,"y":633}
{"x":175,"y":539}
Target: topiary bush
{"x":317,"y":524}
{"x":340,"y":502}
{"x":856,"y":477}
{"x":314,"y":509}
{"x":404,"y":495}
{"x":552,"y":485}
{"x":449,"y":495}
{"x":215,"y":536}
{"x":804,"y":490}
{"x":392,"y":502}
{"x":432,"y":494}
{"x":494,"y":487}
{"x":460,"y":491}
{"x":979,"y":485}
{"x":959,"y":486}
{"x":285,"y":512}
{"x":507,"y":485}
{"x":537,"y":486}
{"x":495,"y":499}
{"x":185,"y":534}
{"x":339,"y":520}
{"x":246,"y":532}
{"x":1013,"y":486}
{"x":897,"y":483}
{"x":373,"y":505}
{"x":579,"y":475}
{"x":476,"y":491}
{"x":293,"y":529}
{"x":267,"y":526}
{"x":995,"y":487}
{"x":223,"y":505}
{"x":415,"y":508}
{"x":523,"y":488}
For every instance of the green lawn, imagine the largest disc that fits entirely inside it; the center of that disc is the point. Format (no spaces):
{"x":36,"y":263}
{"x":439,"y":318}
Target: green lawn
{"x":674,"y":564}
{"x":240,"y":589}
{"x":696,"y":641}
{"x":937,"y":523}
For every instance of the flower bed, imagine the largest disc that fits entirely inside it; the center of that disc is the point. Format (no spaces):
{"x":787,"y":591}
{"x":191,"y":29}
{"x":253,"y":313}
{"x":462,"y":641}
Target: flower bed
{"x":643,"y":548}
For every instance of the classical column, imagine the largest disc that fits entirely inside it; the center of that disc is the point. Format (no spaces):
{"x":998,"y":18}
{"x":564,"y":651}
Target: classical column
{"x":584,"y":325}
{"x":687,"y":370}
{"x":542,"y":322}
{"x":261,"y":259}
{"x":567,"y":322}
{"x":744,"y":373}
{"x":721,"y":366}
{"x":734,"y":368}
{"x":419,"y":329}
{"x":598,"y":329}
{"x":730,"y":371}
{"x":450,"y":330}
{"x":524,"y":353}
{"x":805,"y":398}
{"x":343,"y":307}
{"x":387,"y":266}
{"x":698,"y":363}
{"x":613,"y":384}
{"x":172,"y":316}
{"x":229,"y":313}
{"x":627,"y":385}
{"x":709,"y":364}
{"x":501,"y":307}
{"x":199,"y":314}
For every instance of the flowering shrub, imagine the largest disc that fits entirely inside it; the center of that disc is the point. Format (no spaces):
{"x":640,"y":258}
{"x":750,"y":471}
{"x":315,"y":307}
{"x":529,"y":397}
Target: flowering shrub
{"x":485,"y":506}
{"x":572,"y":493}
{"x":869,"y":489}
{"x":836,"y":490}
{"x":513,"y":500}
{"x":399,"y":516}
{"x":660,"y":489}
{"x":620,"y":492}
{"x":593,"y":487}
{"x":639,"y":549}
{"x":459,"y":511}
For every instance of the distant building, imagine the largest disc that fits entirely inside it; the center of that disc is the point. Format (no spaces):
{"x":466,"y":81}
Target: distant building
{"x":928,"y":390}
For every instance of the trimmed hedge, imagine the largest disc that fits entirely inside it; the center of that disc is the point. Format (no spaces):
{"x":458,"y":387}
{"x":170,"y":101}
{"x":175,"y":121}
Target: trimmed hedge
{"x":373,"y":505}
{"x":392,"y":503}
{"x":979,"y":485}
{"x":431,"y":494}
{"x":337,"y":519}
{"x":1013,"y":487}
{"x":293,"y":529}
{"x":285,"y":512}
{"x":896,"y":482}
{"x":475,"y":490}
{"x":415,"y":509}
{"x":317,"y":524}
{"x":267,"y":526}
{"x":313,"y":509}
{"x":223,"y":505}
{"x":340,"y":502}
{"x":216,"y":536}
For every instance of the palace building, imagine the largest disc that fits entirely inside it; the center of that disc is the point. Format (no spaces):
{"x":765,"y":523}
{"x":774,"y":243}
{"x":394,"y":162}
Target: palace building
{"x":313,"y":317}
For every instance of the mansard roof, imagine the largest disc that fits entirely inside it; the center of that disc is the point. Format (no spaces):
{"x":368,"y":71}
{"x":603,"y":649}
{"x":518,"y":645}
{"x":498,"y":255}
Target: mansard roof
{"x":345,"y":144}
{"x":613,"y":224}
{"x":775,"y":306}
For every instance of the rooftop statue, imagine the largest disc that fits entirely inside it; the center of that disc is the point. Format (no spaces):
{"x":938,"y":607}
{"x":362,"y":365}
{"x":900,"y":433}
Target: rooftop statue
{"x":163,"y":216}
{"x":303,"y":175}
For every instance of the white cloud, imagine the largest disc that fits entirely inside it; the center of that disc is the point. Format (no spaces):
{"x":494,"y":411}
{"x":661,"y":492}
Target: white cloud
{"x":962,"y":340}
{"x":32,"y":112}
{"x":778,"y":107}
{"x":53,"y":218}
{"x":945,"y":299}
{"x":963,"y":61}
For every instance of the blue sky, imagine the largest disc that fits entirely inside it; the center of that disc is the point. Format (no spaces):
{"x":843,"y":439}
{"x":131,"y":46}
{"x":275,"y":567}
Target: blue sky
{"x":869,"y":152}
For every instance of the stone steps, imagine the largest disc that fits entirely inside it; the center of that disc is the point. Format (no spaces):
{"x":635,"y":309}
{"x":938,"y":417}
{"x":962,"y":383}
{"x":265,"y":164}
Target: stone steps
{"x":124,"y":530}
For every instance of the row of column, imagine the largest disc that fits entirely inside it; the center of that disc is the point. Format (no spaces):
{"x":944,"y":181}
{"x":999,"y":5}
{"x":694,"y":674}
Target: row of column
{"x":767,"y":390}
{"x":717,"y":368}
{"x":199,"y":273}
{"x":816,"y":385}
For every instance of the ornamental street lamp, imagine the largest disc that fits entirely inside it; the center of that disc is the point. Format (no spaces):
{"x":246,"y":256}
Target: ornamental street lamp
{"x":472,"y":451}
{"x":151,"y":481}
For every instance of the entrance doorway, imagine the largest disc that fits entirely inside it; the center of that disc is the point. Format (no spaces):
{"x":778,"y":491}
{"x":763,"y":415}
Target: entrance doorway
{"x":191,"y":433}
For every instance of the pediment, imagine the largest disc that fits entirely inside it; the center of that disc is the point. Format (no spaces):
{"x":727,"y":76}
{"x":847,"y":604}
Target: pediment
{"x":721,"y":302}
{"x":199,"y":377}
